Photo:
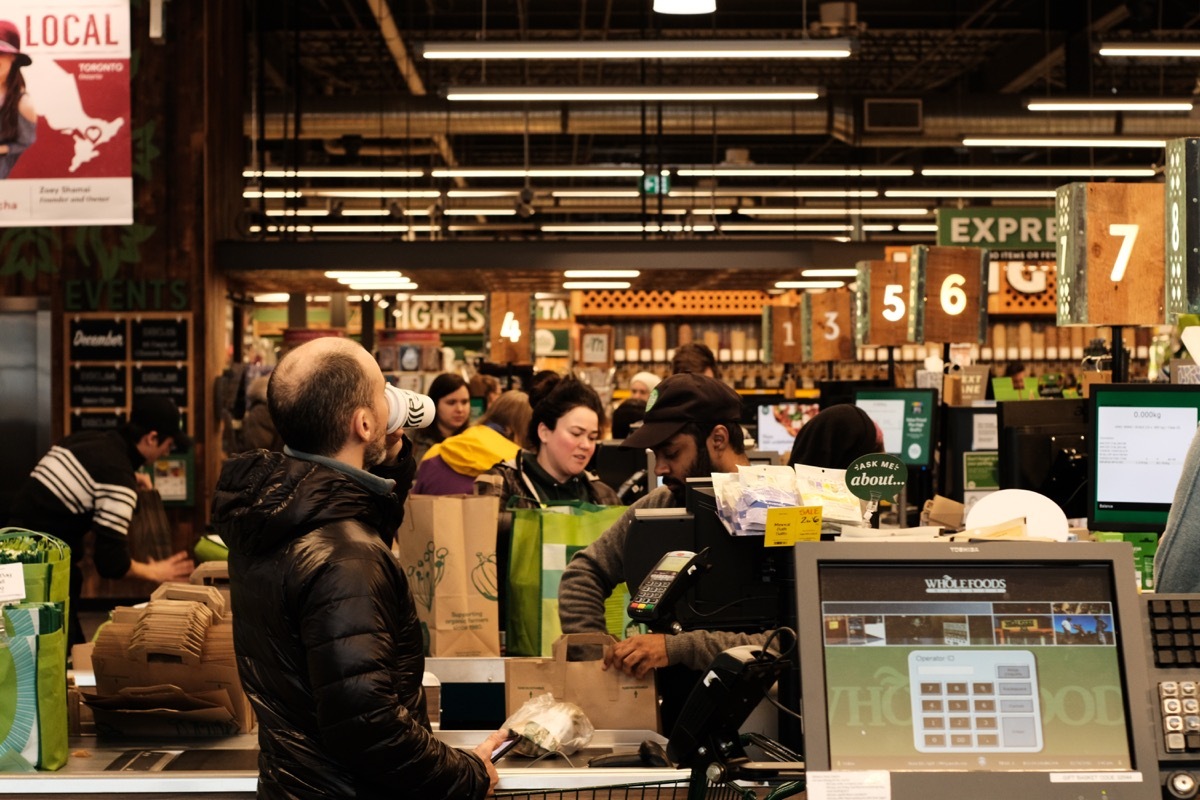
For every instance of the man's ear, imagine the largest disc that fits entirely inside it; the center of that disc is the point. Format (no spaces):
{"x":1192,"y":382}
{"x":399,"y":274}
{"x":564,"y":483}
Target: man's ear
{"x":718,"y":440}
{"x":361,"y":425}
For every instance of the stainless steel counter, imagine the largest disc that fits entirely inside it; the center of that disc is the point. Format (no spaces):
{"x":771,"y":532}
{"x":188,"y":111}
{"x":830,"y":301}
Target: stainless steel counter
{"x":87,"y":772}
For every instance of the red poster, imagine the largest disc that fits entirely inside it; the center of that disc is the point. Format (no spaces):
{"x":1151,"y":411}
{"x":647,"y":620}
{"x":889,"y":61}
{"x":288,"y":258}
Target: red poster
{"x":65,"y":155}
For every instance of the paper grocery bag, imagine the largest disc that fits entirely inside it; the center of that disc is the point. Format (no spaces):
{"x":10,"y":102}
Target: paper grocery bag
{"x":447,"y":547}
{"x":611,"y":699}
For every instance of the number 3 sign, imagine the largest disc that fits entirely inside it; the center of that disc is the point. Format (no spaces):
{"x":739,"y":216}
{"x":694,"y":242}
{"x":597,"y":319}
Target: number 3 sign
{"x":829,"y":322}
{"x":1111,"y":268}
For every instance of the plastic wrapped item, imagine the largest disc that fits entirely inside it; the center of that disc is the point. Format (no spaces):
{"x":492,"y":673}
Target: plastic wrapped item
{"x":547,"y":725}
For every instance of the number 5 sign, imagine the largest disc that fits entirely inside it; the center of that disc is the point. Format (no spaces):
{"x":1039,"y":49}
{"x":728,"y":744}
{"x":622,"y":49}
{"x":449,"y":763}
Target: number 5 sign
{"x":883,"y":289}
{"x":1111,"y":268}
{"x":948,"y":300}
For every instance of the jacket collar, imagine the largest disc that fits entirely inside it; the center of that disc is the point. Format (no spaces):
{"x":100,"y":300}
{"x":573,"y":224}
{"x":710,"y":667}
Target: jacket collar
{"x":372,"y":483}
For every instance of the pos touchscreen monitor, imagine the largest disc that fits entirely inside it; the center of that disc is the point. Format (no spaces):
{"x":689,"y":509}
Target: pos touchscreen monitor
{"x":906,"y":417}
{"x":1138,"y":438}
{"x":993,"y":669}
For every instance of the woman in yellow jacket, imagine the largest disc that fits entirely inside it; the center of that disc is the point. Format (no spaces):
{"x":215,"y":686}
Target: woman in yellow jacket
{"x":450,"y":467}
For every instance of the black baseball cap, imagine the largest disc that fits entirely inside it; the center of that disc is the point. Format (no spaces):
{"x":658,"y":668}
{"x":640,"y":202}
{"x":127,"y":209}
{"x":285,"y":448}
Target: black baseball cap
{"x":161,"y":415}
{"x":682,"y":399}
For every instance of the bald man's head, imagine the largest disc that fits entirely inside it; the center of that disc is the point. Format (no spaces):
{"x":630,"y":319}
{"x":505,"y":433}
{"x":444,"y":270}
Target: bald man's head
{"x":315,"y":390}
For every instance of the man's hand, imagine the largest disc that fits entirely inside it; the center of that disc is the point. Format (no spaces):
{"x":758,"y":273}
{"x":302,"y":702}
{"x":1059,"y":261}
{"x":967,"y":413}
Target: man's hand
{"x":484,"y":753}
{"x":395,"y":444}
{"x":143,"y":480}
{"x":639,"y":654}
{"x":175,"y":568}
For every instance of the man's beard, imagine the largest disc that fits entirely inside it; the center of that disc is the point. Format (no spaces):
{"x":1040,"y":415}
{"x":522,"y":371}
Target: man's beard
{"x":701,"y":467}
{"x":375,"y":452}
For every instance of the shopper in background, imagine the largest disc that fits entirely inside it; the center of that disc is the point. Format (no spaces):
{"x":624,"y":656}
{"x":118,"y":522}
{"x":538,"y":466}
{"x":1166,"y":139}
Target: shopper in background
{"x":641,"y":384}
{"x":484,"y":387}
{"x":626,"y":416}
{"x":452,"y":399}
{"x":562,"y":437}
{"x":452,"y":466}
{"x":89,"y":482}
{"x":695,"y":357}
{"x":328,"y":644}
{"x":835,"y":437}
{"x":258,"y":431}
{"x":692,"y":427}
{"x":1016,"y":371}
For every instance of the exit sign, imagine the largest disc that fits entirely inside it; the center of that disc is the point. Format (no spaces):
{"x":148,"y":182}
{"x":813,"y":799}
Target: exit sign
{"x":656,"y":184}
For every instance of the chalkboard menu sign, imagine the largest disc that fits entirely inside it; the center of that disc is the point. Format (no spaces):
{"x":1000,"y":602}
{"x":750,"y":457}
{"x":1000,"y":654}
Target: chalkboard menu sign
{"x":97,"y":339}
{"x":113,"y":359}
{"x":98,"y":386}
{"x":160,"y":339}
{"x":166,"y":381}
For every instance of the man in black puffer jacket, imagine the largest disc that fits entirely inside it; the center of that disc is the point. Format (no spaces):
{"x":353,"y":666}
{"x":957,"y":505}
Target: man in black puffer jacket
{"x":328,"y":644}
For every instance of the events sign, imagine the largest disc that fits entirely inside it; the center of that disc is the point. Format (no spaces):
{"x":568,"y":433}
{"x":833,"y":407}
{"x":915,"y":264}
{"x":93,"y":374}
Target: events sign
{"x":68,"y":157}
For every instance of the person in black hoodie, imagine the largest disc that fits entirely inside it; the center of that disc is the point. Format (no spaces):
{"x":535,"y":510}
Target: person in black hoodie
{"x":326,"y":634}
{"x":835,"y":437}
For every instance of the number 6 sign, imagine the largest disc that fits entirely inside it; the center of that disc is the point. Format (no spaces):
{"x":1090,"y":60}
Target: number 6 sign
{"x":1111,"y":267}
{"x":947,"y":296}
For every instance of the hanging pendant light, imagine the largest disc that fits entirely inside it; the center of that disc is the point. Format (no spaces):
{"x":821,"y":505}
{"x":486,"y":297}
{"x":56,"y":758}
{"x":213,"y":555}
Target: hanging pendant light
{"x":685,"y":6}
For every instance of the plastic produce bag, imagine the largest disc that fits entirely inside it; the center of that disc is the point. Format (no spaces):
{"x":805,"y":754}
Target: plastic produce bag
{"x":547,"y":725}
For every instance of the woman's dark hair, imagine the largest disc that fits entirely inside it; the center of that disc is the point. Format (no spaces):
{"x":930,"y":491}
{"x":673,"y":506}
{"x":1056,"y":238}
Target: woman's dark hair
{"x":14,"y":90}
{"x":568,"y":393}
{"x":694,"y":357}
{"x":444,"y":384}
{"x":624,"y":415}
{"x":1013,"y":368}
{"x":835,"y":437}
{"x":541,"y":385}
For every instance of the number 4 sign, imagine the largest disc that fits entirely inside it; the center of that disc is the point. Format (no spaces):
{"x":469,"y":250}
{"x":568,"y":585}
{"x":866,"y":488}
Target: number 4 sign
{"x":1111,"y":267}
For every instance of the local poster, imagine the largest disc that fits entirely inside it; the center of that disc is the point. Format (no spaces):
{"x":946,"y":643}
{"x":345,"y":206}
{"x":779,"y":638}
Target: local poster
{"x":65,"y":155}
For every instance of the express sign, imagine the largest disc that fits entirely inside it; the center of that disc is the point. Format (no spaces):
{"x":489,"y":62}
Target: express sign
{"x":998,"y":228}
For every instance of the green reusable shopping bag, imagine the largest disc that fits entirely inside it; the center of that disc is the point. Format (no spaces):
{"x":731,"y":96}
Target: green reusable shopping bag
{"x":33,"y":654}
{"x":543,"y":541}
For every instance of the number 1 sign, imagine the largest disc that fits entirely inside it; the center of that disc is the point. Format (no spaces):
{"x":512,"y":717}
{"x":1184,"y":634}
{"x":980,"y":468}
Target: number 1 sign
{"x":1111,"y":267}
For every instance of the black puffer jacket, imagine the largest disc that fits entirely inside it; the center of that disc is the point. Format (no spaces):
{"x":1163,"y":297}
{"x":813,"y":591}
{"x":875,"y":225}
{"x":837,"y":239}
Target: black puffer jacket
{"x":328,"y":644}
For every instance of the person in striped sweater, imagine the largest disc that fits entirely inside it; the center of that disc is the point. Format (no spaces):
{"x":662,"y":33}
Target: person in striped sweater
{"x":89,"y":481}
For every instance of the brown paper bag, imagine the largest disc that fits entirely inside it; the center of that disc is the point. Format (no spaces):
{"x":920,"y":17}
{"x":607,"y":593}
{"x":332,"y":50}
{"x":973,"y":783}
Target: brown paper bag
{"x":447,"y":547}
{"x":611,"y":699}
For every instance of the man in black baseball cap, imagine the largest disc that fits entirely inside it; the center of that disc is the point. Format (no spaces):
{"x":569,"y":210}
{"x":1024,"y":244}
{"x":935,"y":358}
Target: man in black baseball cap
{"x":692,"y":425}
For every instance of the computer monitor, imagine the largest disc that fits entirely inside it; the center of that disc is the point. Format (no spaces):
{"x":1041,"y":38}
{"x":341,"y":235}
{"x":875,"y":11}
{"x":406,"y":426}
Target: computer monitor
{"x":1043,"y":448}
{"x":742,"y":590}
{"x":994,"y":669}
{"x":629,"y":471}
{"x":778,"y":424}
{"x":1139,"y":435}
{"x":906,"y":417}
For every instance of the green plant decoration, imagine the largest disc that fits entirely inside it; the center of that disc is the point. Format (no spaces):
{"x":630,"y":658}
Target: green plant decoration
{"x":93,"y":249}
{"x":29,"y":251}
{"x":484,"y":578}
{"x":145,"y":152}
{"x":427,"y":573}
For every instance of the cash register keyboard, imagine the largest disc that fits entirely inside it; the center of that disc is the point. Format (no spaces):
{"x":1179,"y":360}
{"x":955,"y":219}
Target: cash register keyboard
{"x":1174,"y":631}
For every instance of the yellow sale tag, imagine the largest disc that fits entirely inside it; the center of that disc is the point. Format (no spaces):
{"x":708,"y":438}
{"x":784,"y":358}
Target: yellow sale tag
{"x":786,"y":526}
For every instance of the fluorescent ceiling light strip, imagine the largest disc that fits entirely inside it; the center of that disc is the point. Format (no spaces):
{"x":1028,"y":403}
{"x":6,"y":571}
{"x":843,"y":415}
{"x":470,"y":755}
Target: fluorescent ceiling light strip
{"x":752,"y":192}
{"x":1051,"y":141}
{"x":296,"y":212}
{"x":770,"y":227}
{"x":1085,"y":104}
{"x":596,"y":284}
{"x":803,"y":284}
{"x":904,"y":228}
{"x":1038,"y":172}
{"x":433,"y":298}
{"x":685,"y":6}
{"x":363,"y":273}
{"x":835,"y":212}
{"x":483,"y":192}
{"x":333,"y":173}
{"x":540,"y":172}
{"x":375,"y":194}
{"x":1150,"y":50}
{"x":700,"y":212}
{"x":372,"y":288}
{"x":630,"y":93}
{"x":601,"y":273}
{"x":988,"y":193}
{"x":596,"y":193}
{"x":272,"y":297}
{"x":838,"y":272}
{"x":601,"y":227}
{"x":702,"y":49}
{"x":254,"y":194}
{"x":793,"y":172}
{"x":482,"y":212}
